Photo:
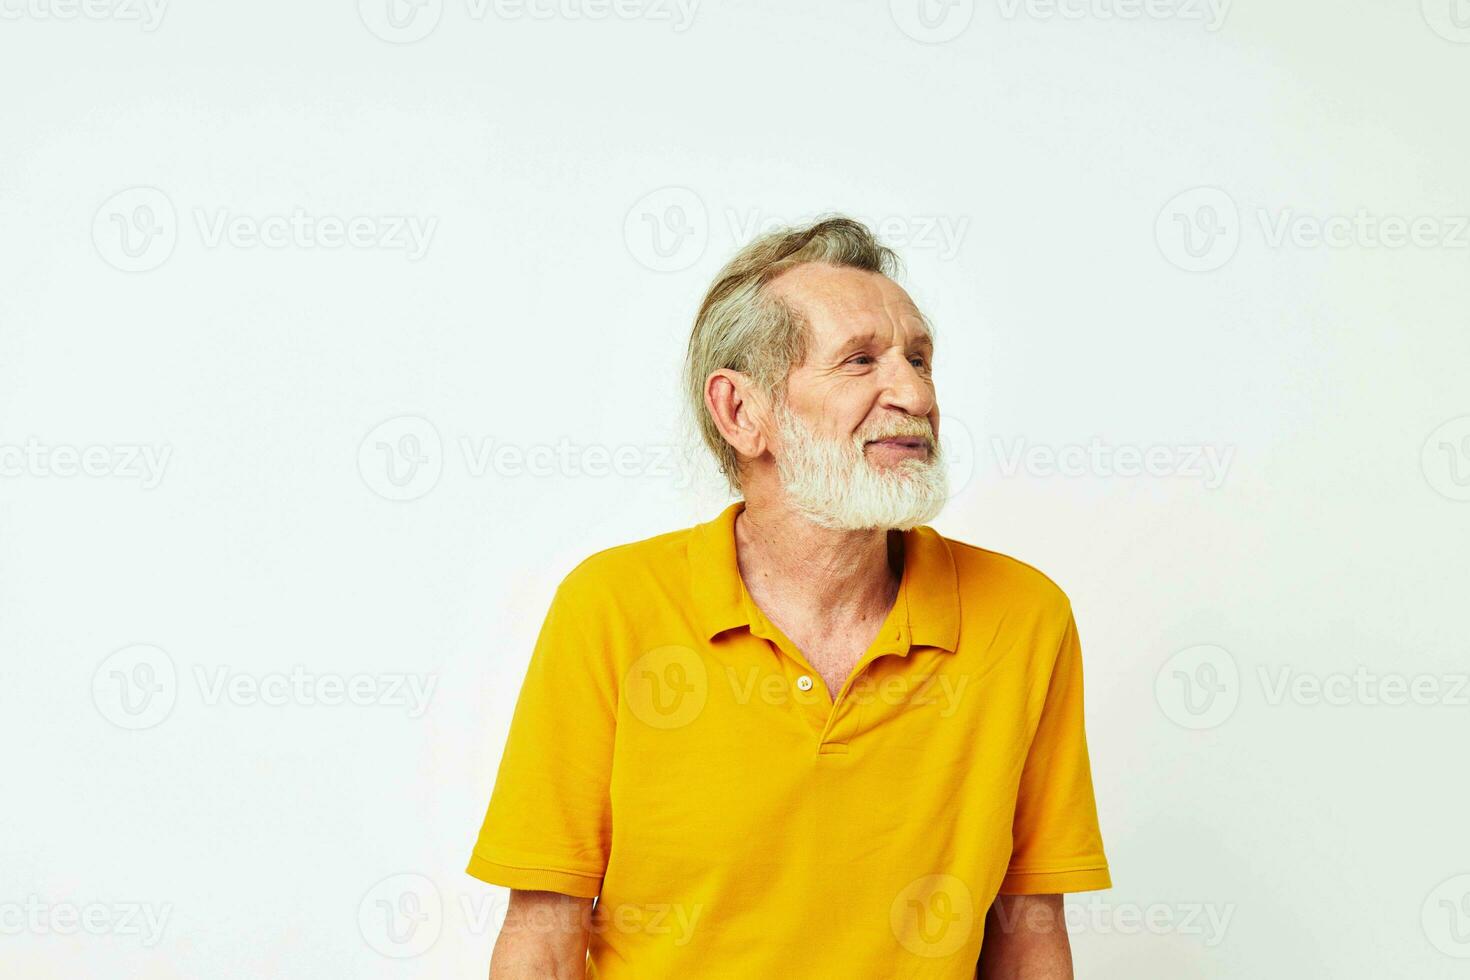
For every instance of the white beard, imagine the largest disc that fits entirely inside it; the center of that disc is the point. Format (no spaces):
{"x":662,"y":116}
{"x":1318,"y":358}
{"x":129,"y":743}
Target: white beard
{"x":834,"y":485}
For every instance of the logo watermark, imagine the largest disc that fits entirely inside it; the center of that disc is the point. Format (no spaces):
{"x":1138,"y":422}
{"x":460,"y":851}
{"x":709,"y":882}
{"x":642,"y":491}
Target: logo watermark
{"x":407,"y":21}
{"x":1445,"y":459}
{"x":1450,"y":19}
{"x":137,"y":230}
{"x":933,"y":916}
{"x":667,"y":229}
{"x":1198,"y":687}
{"x":941,"y":234}
{"x":401,"y":916}
{"x":1200,"y":230}
{"x":407,"y":233}
{"x":404,"y":915}
{"x":1445,"y":917}
{"x":147,"y":14}
{"x":138,"y":686}
{"x":1207,"y":921}
{"x":942,"y":691}
{"x":303,"y":688}
{"x":144,"y":921}
{"x":1201,"y":686}
{"x":1362,"y":686}
{"x":1210,"y":14}
{"x":932,"y":21}
{"x":404,"y":458}
{"x":1208,"y":464}
{"x":124,"y":461}
{"x":670,"y":686}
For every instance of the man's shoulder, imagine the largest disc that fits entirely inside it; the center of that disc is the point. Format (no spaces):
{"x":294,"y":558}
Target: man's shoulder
{"x":987,"y":575}
{"x":627,"y":568}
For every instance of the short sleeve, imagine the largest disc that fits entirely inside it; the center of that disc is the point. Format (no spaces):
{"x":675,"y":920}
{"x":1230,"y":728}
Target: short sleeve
{"x":548,"y":825}
{"x":1057,"y":846}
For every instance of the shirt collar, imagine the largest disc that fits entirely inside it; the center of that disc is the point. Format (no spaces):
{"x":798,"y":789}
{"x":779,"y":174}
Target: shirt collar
{"x":928,"y":596}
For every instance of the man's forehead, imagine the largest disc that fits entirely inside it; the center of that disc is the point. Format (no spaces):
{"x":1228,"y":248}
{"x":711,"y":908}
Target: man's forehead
{"x":840,"y":300}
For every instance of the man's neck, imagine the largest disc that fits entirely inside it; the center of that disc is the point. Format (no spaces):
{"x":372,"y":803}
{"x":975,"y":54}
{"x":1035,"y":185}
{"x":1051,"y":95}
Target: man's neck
{"x":825,"y":577}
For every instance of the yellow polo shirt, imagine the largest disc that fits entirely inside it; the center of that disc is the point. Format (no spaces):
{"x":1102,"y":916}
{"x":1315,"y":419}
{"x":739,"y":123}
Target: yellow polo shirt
{"x":673,"y":754}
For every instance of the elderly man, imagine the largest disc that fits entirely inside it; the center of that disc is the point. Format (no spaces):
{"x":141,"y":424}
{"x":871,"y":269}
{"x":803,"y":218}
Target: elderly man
{"x":810,"y":738}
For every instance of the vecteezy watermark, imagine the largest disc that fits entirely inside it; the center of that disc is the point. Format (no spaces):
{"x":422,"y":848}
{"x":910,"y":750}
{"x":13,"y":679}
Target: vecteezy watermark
{"x":1445,"y":917}
{"x":678,"y":14}
{"x":942,"y":691}
{"x":941,"y":234}
{"x":1206,"y":920}
{"x":407,"y":233}
{"x":1362,"y":686}
{"x":403,"y":459}
{"x":137,"y":229}
{"x":1210,"y":13}
{"x":148,"y":14}
{"x":934,"y":916}
{"x":406,"y":21}
{"x":1201,"y":686}
{"x":1363,"y":229}
{"x":932,"y":21}
{"x":137,"y":687}
{"x":666,"y":230}
{"x":957,"y":452}
{"x":224,"y":685}
{"x":123,"y":461}
{"x":1206,"y":463}
{"x":1445,"y":459}
{"x":403,"y":915}
{"x":1198,"y":687}
{"x":1200,"y":230}
{"x":144,"y":920}
{"x":400,"y":21}
{"x":668,"y":687}
{"x":484,"y":457}
{"x":1450,"y":19}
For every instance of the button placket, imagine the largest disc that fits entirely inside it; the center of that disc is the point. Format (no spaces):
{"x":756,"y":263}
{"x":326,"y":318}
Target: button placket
{"x":824,"y":713}
{"x":892,"y":642}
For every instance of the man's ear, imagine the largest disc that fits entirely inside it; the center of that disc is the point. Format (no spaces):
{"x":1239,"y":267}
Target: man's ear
{"x":739,"y":411}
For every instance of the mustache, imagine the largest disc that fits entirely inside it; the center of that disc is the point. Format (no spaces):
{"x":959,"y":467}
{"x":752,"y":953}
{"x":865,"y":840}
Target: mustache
{"x":915,"y":429}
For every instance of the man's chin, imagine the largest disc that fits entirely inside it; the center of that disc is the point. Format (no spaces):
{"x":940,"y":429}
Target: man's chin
{"x":901,"y":471}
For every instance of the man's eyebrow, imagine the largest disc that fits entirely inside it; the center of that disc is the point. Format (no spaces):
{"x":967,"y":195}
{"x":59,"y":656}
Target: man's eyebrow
{"x":924,"y":339}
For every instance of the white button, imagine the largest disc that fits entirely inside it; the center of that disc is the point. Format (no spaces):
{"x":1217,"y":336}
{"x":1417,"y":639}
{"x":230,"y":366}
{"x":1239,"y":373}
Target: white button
{"x":804,"y":683}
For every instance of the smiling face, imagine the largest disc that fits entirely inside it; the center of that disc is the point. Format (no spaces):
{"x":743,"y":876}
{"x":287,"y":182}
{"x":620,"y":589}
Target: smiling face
{"x":858,"y":442}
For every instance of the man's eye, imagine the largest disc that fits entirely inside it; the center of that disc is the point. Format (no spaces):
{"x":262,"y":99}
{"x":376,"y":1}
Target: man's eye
{"x":919,"y":361}
{"x":859,"y":358}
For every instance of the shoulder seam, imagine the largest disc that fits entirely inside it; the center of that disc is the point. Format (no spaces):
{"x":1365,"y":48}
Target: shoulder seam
{"x":627,"y":544}
{"x":1013,"y":560}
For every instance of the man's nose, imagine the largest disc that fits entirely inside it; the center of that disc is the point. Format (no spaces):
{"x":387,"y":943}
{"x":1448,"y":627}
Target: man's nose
{"x":906,"y":389}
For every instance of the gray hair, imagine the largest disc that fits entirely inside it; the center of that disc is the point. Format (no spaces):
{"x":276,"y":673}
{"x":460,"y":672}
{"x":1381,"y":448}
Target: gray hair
{"x":740,"y":327}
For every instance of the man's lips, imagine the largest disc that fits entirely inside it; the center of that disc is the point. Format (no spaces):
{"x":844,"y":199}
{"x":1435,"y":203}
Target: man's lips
{"x":905,"y":442}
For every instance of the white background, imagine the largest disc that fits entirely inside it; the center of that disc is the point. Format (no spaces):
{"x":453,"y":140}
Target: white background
{"x":582,"y":178}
